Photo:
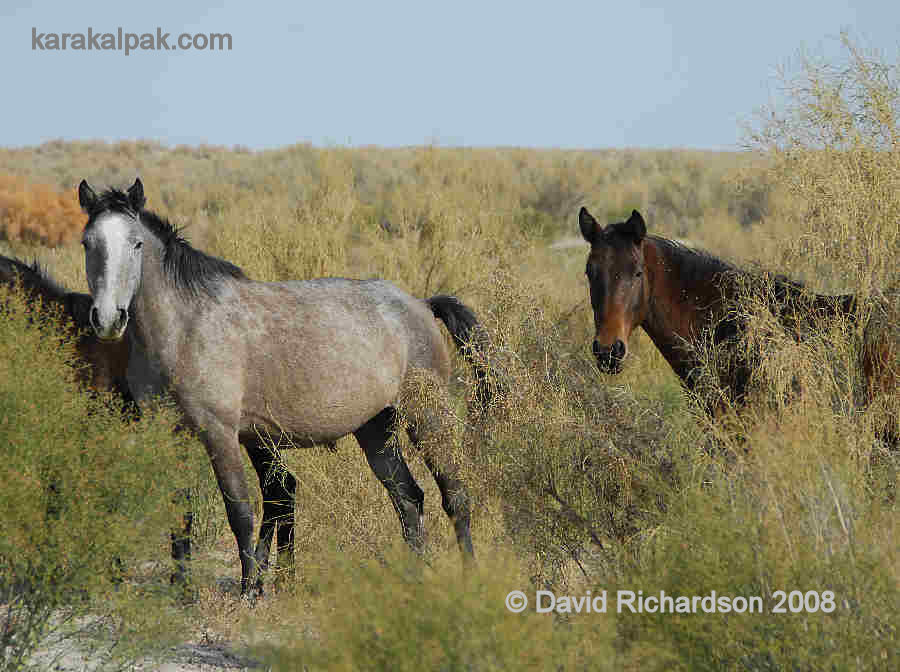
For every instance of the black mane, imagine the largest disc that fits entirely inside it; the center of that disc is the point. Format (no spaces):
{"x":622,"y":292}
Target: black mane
{"x":192,"y":271}
{"x":696,"y":265}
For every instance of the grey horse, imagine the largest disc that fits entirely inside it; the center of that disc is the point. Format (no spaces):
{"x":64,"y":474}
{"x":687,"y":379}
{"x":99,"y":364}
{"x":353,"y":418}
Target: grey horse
{"x":305,"y":362}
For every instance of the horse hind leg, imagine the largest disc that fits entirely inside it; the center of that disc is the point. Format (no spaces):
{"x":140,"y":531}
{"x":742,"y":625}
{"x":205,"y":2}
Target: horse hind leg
{"x":386,"y":461}
{"x":455,"y":502}
{"x":434,"y":430}
{"x":181,"y":541}
{"x":278,"y":487}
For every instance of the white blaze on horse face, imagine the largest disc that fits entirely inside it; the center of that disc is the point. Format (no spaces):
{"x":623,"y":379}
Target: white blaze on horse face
{"x":113,"y":261}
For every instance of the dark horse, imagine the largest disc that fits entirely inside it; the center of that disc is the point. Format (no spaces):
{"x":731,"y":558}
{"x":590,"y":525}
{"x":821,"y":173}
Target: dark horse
{"x":301,"y":362}
{"x":106,"y":362}
{"x":680,"y":295}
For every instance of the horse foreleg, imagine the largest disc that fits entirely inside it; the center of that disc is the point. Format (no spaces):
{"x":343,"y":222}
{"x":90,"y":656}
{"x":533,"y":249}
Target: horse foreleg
{"x":225,"y":454}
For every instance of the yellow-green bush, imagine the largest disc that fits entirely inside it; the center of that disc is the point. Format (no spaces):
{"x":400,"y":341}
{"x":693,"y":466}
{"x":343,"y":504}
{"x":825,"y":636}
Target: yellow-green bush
{"x":400,"y":615}
{"x":87,"y":501}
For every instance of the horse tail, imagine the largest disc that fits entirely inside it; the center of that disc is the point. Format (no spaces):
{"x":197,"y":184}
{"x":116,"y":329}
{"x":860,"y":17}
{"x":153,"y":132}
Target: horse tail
{"x":471,"y":340}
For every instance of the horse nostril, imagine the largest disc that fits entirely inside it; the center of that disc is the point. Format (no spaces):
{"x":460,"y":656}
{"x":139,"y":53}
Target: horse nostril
{"x":618,"y":350}
{"x":123,"y":316}
{"x":95,"y":317}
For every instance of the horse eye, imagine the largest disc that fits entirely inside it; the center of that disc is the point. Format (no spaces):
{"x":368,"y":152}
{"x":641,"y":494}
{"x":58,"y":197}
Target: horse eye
{"x":138,"y":245}
{"x":638,"y":273}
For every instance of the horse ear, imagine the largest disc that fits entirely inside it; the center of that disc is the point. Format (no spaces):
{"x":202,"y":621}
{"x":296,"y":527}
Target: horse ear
{"x":636,"y":226}
{"x":87,"y":197}
{"x":136,"y":195}
{"x":590,"y":229}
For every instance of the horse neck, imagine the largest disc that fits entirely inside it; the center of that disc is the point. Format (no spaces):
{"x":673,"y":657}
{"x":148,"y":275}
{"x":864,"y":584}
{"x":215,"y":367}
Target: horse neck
{"x":681,"y":303}
{"x":689,"y":294}
{"x":49,"y":291}
{"x":156,"y":302}
{"x":32,"y":281}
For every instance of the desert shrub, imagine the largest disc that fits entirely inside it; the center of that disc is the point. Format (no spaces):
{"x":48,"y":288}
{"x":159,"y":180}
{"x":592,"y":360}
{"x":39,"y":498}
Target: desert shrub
{"x":37,"y":212}
{"x":750,"y":197}
{"x":834,"y":147}
{"x":398,"y":615}
{"x":577,"y":464}
{"x":87,"y":500}
{"x":303,"y":238}
{"x":793,"y":514}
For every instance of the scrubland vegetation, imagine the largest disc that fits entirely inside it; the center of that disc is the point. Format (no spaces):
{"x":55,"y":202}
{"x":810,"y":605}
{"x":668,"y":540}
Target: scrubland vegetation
{"x":35,"y":212}
{"x":579,"y":481}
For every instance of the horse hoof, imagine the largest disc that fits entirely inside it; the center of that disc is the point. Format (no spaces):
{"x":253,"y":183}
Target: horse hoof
{"x":251,"y":597}
{"x":253,"y":592}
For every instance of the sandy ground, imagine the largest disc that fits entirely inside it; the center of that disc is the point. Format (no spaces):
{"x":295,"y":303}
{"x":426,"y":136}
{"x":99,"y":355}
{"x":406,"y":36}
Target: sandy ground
{"x":189,"y":657}
{"x":199,"y":653}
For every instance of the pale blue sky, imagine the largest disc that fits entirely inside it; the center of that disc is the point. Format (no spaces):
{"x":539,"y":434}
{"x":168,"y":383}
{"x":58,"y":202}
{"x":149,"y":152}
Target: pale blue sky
{"x":554,"y":74}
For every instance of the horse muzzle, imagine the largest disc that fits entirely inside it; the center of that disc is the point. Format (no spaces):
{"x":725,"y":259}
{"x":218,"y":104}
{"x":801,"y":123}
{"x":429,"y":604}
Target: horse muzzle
{"x":109,"y":329}
{"x":609,"y":359}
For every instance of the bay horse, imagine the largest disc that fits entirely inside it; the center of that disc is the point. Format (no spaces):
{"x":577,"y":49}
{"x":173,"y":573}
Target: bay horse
{"x":304,"y":362}
{"x":680,"y":295}
{"x":106,"y":362}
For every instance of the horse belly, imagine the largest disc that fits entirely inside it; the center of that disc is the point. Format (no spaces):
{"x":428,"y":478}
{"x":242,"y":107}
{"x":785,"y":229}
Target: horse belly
{"x":323,"y":390}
